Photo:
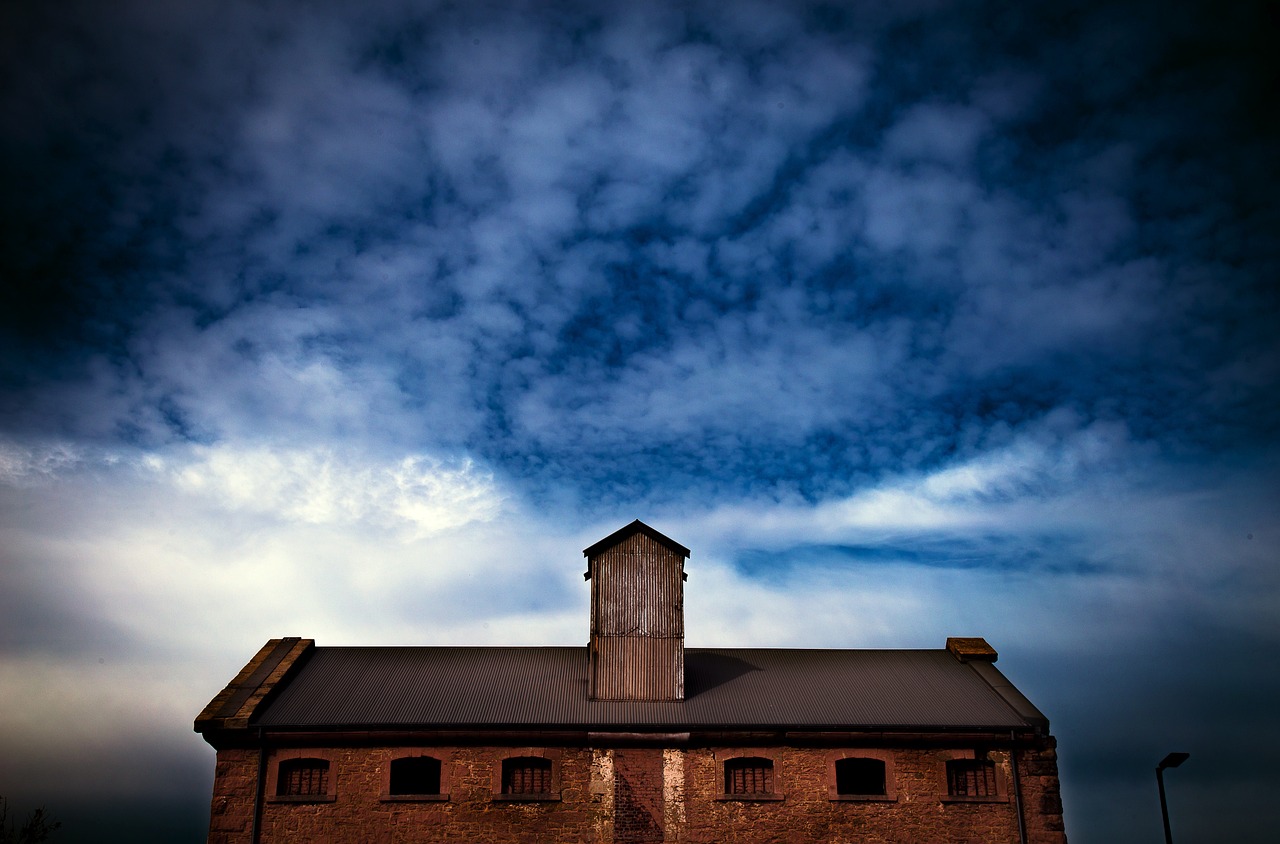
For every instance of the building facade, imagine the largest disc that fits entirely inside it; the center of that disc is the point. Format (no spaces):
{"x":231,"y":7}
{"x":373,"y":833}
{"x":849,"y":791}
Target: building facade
{"x":634,"y":739}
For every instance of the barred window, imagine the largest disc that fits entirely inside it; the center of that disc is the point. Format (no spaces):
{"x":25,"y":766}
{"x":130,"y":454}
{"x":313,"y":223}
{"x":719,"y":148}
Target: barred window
{"x":748,"y":775}
{"x":858,"y":776}
{"x":971,"y":778}
{"x":303,"y":778}
{"x":526,"y":775}
{"x":415,"y":775}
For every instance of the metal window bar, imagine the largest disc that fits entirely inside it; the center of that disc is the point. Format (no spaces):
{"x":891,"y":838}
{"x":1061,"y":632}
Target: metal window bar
{"x":754,"y":776}
{"x":971,"y":778}
{"x":305,"y":779}
{"x":527,"y":776}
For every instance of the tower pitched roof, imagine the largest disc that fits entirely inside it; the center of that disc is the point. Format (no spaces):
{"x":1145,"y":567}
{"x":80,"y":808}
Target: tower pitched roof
{"x":635,"y":527}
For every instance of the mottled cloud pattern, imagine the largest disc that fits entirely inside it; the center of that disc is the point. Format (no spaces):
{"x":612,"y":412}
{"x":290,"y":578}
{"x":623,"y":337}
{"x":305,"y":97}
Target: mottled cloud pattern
{"x":912,"y":320}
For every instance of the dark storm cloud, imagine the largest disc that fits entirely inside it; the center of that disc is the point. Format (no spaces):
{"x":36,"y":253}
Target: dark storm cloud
{"x":586,"y":217}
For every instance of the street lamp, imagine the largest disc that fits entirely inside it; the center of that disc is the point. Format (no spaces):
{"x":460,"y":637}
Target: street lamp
{"x":1173,"y":760}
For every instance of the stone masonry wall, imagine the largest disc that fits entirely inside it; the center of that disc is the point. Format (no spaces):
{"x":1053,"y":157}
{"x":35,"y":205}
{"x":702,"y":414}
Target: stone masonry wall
{"x":235,"y":781}
{"x":918,"y":815}
{"x":1041,"y":795}
{"x":636,"y":796}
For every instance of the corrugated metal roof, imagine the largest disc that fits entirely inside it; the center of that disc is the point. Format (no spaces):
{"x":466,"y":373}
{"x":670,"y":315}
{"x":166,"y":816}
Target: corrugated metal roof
{"x":546,"y":688}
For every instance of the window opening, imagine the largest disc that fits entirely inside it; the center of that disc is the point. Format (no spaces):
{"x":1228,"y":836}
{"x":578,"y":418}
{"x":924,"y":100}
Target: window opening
{"x":415,"y":775}
{"x":858,"y":776}
{"x":303,"y":778}
{"x":971,"y":778}
{"x":748,"y":775}
{"x":526,"y":775}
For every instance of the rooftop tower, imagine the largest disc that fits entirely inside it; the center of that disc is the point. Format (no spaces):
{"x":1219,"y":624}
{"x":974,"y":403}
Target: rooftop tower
{"x":636,"y":650}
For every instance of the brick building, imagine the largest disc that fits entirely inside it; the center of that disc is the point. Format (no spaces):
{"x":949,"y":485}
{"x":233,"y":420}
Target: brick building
{"x":632,"y":739}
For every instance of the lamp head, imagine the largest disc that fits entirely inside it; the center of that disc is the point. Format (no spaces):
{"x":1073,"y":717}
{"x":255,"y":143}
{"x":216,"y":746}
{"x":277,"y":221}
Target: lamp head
{"x":1173,"y":760}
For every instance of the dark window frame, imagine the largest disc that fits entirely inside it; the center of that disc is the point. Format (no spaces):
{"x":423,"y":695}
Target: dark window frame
{"x":971,"y":778}
{"x":526,"y":775}
{"x":410,"y":757}
{"x":885,"y":757}
{"x":753,"y":763}
{"x":284,"y":764}
{"x":548,"y":761}
{"x":992,"y":777}
{"x":860,"y":776}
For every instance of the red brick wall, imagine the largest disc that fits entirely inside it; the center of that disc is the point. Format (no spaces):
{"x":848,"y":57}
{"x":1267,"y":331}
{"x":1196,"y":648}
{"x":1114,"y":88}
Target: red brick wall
{"x":637,"y":795}
{"x":633,"y":796}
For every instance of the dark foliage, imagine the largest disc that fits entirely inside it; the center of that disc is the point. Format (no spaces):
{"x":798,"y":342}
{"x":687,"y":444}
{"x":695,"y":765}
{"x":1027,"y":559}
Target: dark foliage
{"x":38,"y":826}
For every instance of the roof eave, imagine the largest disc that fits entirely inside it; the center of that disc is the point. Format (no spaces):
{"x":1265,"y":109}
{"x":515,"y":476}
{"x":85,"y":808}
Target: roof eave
{"x":236,"y":705}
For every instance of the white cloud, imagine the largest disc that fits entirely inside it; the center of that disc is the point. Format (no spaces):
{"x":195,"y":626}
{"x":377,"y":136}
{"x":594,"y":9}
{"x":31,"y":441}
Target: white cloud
{"x":1056,"y":475}
{"x":147,"y":579}
{"x":21,"y":465}
{"x":320,"y":486}
{"x":194,"y":557}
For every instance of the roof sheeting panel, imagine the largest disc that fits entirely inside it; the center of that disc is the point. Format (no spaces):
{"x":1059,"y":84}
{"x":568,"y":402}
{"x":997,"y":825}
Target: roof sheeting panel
{"x":546,"y":688}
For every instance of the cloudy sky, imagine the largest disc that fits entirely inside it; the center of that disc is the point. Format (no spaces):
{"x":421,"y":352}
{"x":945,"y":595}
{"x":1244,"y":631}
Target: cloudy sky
{"x":359,"y":321}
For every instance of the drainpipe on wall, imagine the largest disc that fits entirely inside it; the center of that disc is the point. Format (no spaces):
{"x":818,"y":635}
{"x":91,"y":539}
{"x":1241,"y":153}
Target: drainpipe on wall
{"x":257,"y":801}
{"x":1017,"y":789}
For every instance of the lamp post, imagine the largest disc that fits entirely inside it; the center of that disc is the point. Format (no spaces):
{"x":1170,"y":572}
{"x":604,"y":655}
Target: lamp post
{"x":1173,"y":760}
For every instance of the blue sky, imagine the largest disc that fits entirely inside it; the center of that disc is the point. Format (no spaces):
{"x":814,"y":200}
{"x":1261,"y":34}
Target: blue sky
{"x":910,"y":320}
